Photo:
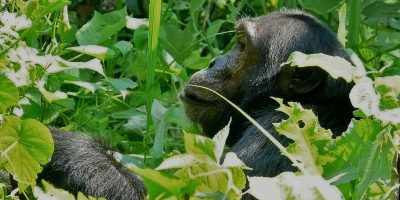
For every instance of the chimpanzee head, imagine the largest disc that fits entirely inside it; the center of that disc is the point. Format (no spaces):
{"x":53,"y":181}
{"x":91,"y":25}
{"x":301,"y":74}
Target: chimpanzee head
{"x":250,"y":72}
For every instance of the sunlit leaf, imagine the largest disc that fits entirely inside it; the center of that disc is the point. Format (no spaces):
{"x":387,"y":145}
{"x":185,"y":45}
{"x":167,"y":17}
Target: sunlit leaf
{"x":97,"y":51}
{"x":219,"y":140}
{"x":307,"y":134}
{"x":24,"y":146}
{"x":134,"y":23}
{"x":287,"y":185}
{"x":336,"y":66}
{"x":8,"y":93}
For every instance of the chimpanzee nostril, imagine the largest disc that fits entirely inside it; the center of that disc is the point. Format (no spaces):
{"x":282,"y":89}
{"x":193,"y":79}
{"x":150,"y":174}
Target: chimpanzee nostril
{"x":212,"y":63}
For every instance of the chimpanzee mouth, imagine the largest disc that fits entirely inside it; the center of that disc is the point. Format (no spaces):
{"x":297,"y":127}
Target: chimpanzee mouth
{"x":188,"y":97}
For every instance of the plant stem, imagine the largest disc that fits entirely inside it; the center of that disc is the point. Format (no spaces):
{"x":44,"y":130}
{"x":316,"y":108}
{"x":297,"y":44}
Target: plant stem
{"x":154,"y":30}
{"x":354,"y":24}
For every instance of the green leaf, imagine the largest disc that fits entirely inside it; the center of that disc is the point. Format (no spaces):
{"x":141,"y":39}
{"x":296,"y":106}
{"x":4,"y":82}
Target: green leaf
{"x":8,"y":93}
{"x":213,"y":178}
{"x":24,"y":146}
{"x":307,"y":134}
{"x":162,"y":184}
{"x":177,"y":42}
{"x":199,"y":145}
{"x":50,"y":192}
{"x":178,"y":161}
{"x":101,"y":27}
{"x":124,"y":47}
{"x":122,"y":84}
{"x":364,"y":153}
{"x":196,"y":61}
{"x":288,"y":185}
{"x":387,"y":39}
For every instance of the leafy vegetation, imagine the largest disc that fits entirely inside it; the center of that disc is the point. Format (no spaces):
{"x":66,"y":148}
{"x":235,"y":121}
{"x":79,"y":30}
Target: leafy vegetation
{"x":116,"y":75}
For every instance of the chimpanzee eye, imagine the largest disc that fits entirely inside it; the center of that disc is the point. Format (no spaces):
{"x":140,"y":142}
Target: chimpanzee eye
{"x":241,"y":45}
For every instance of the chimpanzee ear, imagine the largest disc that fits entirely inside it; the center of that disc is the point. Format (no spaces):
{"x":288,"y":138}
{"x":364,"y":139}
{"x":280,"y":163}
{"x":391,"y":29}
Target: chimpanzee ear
{"x":306,"y":79}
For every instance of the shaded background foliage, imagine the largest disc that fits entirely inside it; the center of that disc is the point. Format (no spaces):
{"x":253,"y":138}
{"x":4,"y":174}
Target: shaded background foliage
{"x":192,"y":32}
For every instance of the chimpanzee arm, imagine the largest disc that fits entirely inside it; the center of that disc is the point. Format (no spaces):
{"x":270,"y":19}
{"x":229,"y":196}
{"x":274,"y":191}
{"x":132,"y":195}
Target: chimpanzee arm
{"x":79,"y":164}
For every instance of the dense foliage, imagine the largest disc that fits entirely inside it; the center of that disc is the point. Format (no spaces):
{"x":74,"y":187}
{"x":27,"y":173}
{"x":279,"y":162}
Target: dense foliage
{"x":116,"y":75}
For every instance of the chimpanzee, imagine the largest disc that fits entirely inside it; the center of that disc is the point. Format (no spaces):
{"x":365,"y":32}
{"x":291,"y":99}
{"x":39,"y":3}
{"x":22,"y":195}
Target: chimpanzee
{"x":248,"y":75}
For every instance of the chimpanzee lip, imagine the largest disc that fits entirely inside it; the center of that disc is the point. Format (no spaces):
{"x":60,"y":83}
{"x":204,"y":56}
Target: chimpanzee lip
{"x":191,"y":98}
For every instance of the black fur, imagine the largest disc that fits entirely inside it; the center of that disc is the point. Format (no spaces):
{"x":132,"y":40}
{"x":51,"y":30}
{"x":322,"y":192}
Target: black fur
{"x":79,"y":164}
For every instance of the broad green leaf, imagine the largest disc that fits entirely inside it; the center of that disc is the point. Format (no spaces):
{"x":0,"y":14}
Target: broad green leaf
{"x":177,"y":42}
{"x":288,"y":185}
{"x":136,"y":124}
{"x":8,"y":93}
{"x":336,"y":66}
{"x":24,"y":146}
{"x":49,"y":192}
{"x":196,"y":61}
{"x":164,"y":185}
{"x":178,"y":161}
{"x":387,"y":39}
{"x":213,"y":178}
{"x":363,"y":154}
{"x":122,"y":83}
{"x":308,"y":136}
{"x":124,"y":47}
{"x":199,"y":145}
{"x":101,"y":27}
